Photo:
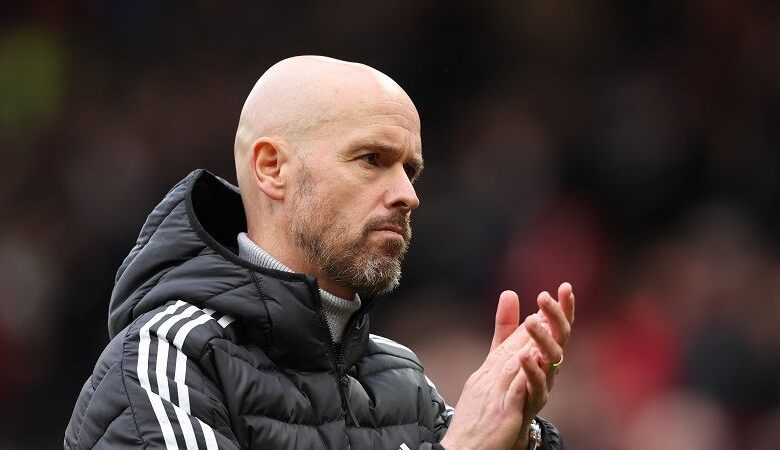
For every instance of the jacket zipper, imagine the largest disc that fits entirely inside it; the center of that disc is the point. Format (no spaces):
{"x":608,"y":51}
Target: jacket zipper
{"x":338,"y":357}
{"x":341,"y":373}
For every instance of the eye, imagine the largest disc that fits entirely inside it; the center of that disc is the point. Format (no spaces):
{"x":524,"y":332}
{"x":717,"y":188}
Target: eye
{"x":410,"y":171}
{"x":371,"y":159}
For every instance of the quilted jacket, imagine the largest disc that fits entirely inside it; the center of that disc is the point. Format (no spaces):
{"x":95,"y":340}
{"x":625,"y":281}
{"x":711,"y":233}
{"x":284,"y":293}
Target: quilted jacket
{"x":209,"y":351}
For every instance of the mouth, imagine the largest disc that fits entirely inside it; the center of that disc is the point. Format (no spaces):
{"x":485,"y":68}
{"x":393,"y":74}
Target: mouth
{"x":394,"y":229}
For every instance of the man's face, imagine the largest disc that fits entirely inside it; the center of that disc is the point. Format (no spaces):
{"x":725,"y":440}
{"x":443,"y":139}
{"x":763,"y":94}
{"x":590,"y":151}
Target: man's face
{"x":351,"y":209}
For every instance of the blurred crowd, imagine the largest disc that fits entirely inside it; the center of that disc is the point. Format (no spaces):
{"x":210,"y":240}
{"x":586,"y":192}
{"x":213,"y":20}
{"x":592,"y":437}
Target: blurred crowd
{"x":630,"y":148}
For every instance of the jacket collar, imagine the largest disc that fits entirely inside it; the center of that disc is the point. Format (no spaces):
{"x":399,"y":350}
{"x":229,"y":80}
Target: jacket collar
{"x":187,"y":250}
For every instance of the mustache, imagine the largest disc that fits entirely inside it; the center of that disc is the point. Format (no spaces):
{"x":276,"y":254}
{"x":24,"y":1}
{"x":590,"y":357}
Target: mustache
{"x":398,"y":220}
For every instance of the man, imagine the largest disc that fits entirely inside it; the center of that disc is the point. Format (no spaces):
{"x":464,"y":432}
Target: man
{"x":240,"y":321}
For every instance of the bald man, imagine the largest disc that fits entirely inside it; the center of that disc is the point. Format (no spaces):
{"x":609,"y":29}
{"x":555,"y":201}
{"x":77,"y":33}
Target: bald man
{"x":240,"y":318}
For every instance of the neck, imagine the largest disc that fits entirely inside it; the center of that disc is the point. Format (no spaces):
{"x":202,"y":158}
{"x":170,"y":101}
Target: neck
{"x":291,"y":256}
{"x":337,"y":310}
{"x":334,"y":288}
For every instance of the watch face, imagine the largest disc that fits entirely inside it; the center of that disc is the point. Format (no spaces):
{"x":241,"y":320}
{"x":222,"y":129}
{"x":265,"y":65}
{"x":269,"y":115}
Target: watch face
{"x":535,"y":436}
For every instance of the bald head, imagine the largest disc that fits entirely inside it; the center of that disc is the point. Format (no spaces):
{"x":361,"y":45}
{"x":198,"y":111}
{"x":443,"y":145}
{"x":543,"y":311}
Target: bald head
{"x":297,"y":98}
{"x":326,"y":153}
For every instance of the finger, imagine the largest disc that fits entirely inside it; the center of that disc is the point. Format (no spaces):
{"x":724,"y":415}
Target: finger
{"x":538,"y":393}
{"x":507,"y":317}
{"x":549,"y":371}
{"x":508,"y":372}
{"x":553,"y":312}
{"x":550,"y":375}
{"x":512,"y":347}
{"x":566,"y":299}
{"x":550,"y":351}
{"x":517,"y":392}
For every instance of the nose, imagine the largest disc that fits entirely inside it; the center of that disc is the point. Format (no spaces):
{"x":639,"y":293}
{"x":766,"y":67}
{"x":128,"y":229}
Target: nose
{"x":401,"y":194}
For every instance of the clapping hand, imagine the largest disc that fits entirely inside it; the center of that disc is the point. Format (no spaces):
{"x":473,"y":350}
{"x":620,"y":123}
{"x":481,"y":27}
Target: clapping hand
{"x":502,"y":397}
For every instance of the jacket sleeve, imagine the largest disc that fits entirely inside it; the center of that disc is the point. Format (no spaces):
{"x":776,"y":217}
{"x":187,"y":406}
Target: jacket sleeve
{"x":551,"y":437}
{"x":443,"y":416}
{"x":150,"y":389}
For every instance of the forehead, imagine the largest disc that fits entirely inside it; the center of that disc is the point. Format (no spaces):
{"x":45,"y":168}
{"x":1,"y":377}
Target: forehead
{"x":385,"y":121}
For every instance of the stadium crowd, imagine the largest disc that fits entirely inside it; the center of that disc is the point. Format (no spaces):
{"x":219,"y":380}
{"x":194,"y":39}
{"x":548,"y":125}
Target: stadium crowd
{"x":630,"y":149}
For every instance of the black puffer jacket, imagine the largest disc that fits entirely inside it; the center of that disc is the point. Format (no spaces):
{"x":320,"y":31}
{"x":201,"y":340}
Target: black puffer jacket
{"x":209,"y":351}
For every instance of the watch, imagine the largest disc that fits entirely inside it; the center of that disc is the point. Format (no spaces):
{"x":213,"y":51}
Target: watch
{"x":535,"y":436}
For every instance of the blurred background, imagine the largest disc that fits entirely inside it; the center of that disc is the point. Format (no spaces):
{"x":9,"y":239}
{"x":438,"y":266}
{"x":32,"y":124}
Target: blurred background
{"x":628,"y":147}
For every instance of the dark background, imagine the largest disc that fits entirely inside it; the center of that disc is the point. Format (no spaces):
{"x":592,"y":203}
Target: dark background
{"x":628,"y":147}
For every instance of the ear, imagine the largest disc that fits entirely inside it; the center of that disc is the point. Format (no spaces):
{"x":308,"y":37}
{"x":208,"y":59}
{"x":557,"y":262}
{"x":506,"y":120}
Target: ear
{"x":268,"y":157}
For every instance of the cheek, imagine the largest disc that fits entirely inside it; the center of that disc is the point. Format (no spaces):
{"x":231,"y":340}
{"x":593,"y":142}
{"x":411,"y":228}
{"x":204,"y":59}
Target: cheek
{"x":346,"y":202}
{"x":353,"y":203}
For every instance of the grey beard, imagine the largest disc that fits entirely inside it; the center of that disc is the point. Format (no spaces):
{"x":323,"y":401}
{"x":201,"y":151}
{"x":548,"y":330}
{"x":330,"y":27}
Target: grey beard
{"x":353,"y":265}
{"x":349,"y":264}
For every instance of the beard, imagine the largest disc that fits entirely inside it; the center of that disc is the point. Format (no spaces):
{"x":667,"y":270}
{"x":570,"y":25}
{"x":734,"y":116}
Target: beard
{"x":354,"y":261}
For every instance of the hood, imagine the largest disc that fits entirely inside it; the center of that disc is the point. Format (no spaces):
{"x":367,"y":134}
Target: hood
{"x":187,"y":250}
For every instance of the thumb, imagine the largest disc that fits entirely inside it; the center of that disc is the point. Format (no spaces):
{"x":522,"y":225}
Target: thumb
{"x":507,"y":317}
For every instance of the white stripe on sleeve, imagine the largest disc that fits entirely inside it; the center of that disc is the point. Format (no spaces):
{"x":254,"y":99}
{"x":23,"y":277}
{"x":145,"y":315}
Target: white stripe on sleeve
{"x":162,"y":351}
{"x":186,"y":428}
{"x":182,"y":391}
{"x":162,"y":374}
{"x":391,"y":343}
{"x":225,"y":321}
{"x":143,"y":376}
{"x":208,"y":434}
{"x":182,"y":410}
{"x":180,"y":373}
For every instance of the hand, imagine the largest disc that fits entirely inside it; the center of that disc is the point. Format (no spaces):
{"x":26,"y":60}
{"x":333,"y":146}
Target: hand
{"x":499,"y":400}
{"x":489,"y":414}
{"x":549,"y":329}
